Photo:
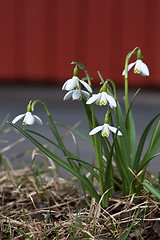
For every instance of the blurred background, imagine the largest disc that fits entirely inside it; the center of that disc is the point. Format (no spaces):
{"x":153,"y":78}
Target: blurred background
{"x":40,"y":38}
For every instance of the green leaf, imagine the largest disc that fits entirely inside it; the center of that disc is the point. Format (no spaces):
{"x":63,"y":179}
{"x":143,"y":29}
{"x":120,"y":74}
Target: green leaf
{"x":60,"y":162}
{"x":131,"y":136}
{"x":124,"y":141}
{"x":153,"y":145}
{"x":142,"y":166}
{"x":88,"y":139}
{"x":89,"y":166}
{"x":150,"y":188}
{"x":25,"y":234}
{"x":129,"y":229}
{"x":86,"y":165}
{"x":142,"y":142}
{"x":122,"y":155}
{"x":100,"y":76}
{"x":80,"y":65}
{"x":129,"y":109}
{"x":130,"y":125}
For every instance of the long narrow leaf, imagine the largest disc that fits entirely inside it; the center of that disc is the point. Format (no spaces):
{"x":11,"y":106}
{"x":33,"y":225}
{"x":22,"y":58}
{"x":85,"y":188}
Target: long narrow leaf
{"x":142,"y":142}
{"x":131,"y":136}
{"x":150,"y":188}
{"x":130,"y":105}
{"x":153,"y":143}
{"x":142,"y":166}
{"x":130,"y":124}
{"x":61,"y":147}
{"x":88,"y":139}
{"x":86,"y":165}
{"x":60,"y":162}
{"x":124,"y":141}
{"x":130,"y":228}
{"x":122,"y":168}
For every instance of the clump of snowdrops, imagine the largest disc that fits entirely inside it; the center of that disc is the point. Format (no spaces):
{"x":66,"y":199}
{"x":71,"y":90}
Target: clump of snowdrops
{"x":114,"y":140}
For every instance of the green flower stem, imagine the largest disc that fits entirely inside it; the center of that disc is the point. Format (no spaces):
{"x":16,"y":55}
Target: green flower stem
{"x":88,"y":78}
{"x":126,"y":76}
{"x":56,"y":132}
{"x":99,"y":165}
{"x":126,"y":94}
{"x":108,"y":182}
{"x":96,"y":145}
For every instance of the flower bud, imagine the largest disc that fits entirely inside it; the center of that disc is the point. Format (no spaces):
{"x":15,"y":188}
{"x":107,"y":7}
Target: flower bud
{"x":106,"y":121}
{"x":75,"y":71}
{"x":139,"y":54}
{"x":29,"y":107}
{"x":104,"y":88}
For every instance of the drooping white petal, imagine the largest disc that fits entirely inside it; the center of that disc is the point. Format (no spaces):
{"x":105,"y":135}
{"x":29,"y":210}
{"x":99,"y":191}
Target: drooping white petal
{"x":37,"y":119}
{"x":129,"y":67}
{"x":105,"y":131}
{"x":86,"y":85}
{"x":86,"y":94}
{"x":28,"y":119}
{"x":93,"y":99}
{"x":137,"y":68}
{"x":76,"y":94}
{"x":141,"y":68}
{"x":64,"y":85}
{"x":16,"y":119}
{"x":144,"y":69}
{"x":111,"y":101}
{"x":68,"y":95}
{"x":72,"y":83}
{"x":114,"y":130}
{"x":95,"y":130}
{"x":102,"y":99}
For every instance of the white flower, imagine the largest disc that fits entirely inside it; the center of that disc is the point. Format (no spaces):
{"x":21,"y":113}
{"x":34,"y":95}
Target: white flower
{"x":105,"y":130}
{"x":140,"y":68}
{"x":29,"y":119}
{"x":76,"y":94}
{"x":73,"y":84}
{"x":102,"y":99}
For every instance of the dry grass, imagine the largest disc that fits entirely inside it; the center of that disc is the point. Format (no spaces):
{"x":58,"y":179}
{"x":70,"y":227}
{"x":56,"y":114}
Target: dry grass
{"x":36,"y":205}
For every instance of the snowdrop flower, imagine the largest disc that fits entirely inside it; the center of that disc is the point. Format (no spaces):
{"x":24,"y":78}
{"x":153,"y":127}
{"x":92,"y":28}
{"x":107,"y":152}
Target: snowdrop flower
{"x":140,"y":68}
{"x":102,"y":99}
{"x":105,"y":130}
{"x":74,"y":84}
{"x":29,"y":119}
{"x":76,"y":94}
{"x":71,"y":84}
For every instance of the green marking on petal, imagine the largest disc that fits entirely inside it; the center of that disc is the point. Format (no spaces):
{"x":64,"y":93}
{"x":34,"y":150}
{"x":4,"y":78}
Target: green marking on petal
{"x":137,"y":70}
{"x":105,"y":134}
{"x":102,"y":103}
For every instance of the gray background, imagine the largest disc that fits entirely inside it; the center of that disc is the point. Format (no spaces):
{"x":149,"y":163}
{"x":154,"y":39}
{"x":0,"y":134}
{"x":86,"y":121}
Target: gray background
{"x":14,"y":100}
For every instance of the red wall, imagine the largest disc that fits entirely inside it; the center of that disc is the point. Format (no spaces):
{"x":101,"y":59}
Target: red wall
{"x":40,"y":38}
